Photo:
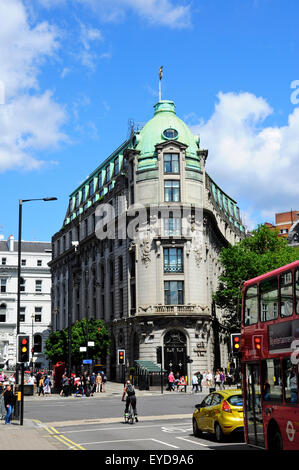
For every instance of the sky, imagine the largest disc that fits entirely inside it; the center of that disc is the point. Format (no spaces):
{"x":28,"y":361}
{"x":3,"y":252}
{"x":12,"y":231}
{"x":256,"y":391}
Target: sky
{"x":73,"y":73}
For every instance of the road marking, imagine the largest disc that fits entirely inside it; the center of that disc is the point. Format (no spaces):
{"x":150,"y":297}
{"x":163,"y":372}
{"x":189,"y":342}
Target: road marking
{"x":124,"y":428}
{"x":128,"y":440}
{"x":63,"y":424}
{"x":165,"y":443}
{"x":72,"y":445}
{"x":192,"y":442}
{"x":175,"y":429}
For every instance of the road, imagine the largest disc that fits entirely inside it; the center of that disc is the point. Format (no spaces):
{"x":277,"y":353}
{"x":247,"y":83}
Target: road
{"x":165,"y":423}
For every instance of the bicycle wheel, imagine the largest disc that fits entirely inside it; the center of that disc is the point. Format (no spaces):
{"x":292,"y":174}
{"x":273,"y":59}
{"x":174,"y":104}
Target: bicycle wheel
{"x":131,"y":416}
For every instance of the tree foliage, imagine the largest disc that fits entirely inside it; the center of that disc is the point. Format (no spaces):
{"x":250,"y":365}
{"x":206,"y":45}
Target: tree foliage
{"x":57,"y":343}
{"x":251,"y":257}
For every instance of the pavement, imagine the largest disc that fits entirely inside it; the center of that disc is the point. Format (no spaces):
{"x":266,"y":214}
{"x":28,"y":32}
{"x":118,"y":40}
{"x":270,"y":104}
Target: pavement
{"x":32,"y":436}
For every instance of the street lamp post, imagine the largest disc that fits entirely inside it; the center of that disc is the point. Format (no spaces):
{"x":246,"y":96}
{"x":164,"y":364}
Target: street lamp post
{"x":45,"y":199}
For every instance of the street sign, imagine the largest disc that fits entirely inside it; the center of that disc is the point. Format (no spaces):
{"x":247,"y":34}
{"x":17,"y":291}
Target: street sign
{"x":87,"y":361}
{"x":83,"y":349}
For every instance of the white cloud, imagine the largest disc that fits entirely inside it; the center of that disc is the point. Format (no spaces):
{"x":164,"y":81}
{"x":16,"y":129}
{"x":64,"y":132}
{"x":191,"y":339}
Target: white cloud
{"x":155,"y":12}
{"x":30,"y":120}
{"x":88,"y":35}
{"x":256,"y":164}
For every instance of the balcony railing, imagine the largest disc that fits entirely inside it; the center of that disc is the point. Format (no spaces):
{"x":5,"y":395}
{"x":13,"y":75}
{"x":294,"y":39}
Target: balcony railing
{"x":173,"y":268}
{"x":191,"y":309}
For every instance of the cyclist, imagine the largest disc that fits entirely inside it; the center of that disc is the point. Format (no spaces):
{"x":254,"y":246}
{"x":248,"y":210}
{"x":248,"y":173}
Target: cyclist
{"x":131,"y":398}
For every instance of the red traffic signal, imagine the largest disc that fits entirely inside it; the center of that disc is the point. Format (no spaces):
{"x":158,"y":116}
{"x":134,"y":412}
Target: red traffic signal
{"x":23,"y":348}
{"x":121,"y":356}
{"x":257,"y":343}
{"x":236,"y":343}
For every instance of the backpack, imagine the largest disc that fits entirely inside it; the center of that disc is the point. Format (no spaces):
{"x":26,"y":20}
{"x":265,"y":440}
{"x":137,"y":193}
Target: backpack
{"x":130,"y":390}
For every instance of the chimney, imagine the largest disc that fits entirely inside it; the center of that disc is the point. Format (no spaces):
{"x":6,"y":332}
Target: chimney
{"x":10,"y":243}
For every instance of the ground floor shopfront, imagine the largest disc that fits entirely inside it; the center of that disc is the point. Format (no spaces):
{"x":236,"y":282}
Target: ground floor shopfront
{"x":181,"y":337}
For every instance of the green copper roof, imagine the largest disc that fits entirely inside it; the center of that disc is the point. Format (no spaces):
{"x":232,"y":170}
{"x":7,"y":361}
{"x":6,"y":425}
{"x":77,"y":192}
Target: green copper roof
{"x":152,"y":133}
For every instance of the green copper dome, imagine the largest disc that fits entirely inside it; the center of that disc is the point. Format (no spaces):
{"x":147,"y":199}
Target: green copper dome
{"x":165,"y":125}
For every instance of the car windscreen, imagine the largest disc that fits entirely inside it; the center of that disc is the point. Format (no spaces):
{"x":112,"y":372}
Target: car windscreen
{"x":235,"y":400}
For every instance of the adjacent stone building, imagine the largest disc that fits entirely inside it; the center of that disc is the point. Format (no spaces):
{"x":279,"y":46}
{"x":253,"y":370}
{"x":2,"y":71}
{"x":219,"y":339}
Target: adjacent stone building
{"x":35,"y":302}
{"x":139,"y":249}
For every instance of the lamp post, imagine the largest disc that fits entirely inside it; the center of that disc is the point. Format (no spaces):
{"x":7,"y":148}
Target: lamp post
{"x":45,"y":199}
{"x":32,"y":341}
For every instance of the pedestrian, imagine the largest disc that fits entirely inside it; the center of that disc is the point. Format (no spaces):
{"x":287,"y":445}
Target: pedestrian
{"x":47,"y":386}
{"x":176,"y":382}
{"x":37,"y":378}
{"x":2,"y":406}
{"x":194,"y":382}
{"x":98,"y":383}
{"x":41,"y":386}
{"x":104,"y":381}
{"x":9,"y":401}
{"x":222,"y":379}
{"x":171,"y":380}
{"x":64,"y":386}
{"x":217,"y":379}
{"x":199,"y":378}
{"x":92,"y":383}
{"x":209,"y":379}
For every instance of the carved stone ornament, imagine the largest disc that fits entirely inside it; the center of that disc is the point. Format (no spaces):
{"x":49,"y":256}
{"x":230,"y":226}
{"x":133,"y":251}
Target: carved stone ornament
{"x":145,"y":246}
{"x":197,"y":255}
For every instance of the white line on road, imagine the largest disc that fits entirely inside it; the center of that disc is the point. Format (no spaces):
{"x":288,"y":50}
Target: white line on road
{"x":124,"y":428}
{"x":165,"y":443}
{"x":127,"y":440}
{"x":192,"y":442}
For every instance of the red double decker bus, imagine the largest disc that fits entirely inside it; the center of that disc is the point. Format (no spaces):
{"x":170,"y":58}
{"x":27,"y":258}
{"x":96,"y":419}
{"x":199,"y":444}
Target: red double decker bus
{"x":269,"y":338}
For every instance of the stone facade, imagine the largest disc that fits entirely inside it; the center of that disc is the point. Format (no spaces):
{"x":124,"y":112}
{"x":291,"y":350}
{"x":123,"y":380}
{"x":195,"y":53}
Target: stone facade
{"x":150,"y":269}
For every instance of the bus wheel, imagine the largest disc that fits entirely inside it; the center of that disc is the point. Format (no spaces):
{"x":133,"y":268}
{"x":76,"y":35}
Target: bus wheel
{"x":275,"y":440}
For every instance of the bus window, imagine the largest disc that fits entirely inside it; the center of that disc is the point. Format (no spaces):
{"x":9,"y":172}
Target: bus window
{"x":290,"y":381}
{"x":251,"y":306}
{"x":269,"y":299}
{"x":271,"y":380}
{"x":297,"y":290}
{"x":286,"y":294}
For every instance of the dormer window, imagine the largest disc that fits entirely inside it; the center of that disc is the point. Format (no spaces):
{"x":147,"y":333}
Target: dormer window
{"x":171,"y":163}
{"x":108,"y":173}
{"x":83,"y":194}
{"x":91,"y":188}
{"x":170,"y":134}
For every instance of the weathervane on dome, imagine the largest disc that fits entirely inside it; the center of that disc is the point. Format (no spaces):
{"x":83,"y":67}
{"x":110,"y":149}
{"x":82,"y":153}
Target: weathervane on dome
{"x":160,"y":78}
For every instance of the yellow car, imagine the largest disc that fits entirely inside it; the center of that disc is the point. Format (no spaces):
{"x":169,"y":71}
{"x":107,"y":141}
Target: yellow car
{"x":220,"y":413}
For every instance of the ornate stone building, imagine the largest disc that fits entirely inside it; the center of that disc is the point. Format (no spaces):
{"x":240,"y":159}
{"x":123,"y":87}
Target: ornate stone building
{"x":139,"y":249}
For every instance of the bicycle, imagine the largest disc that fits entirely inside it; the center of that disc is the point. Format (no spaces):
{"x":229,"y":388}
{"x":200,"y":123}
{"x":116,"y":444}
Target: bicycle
{"x":129,"y":417}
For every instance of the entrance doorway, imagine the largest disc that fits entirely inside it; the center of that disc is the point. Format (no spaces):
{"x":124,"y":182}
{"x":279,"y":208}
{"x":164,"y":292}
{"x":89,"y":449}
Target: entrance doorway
{"x":175,"y":352}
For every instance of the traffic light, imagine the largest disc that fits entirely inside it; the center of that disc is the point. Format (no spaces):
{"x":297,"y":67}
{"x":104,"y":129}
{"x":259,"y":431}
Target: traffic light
{"x":257,"y":344}
{"x":121,"y":356}
{"x":23,"y":348}
{"x":236,"y":343}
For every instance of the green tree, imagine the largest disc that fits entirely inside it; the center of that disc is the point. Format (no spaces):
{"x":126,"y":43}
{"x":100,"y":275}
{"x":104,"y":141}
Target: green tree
{"x":57,"y":343}
{"x":251,"y":257}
